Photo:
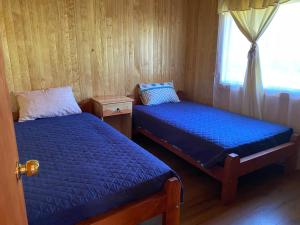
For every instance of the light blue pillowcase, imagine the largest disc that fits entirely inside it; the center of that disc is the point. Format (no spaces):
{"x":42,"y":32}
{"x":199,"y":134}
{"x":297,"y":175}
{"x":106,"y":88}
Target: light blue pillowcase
{"x":157,"y":93}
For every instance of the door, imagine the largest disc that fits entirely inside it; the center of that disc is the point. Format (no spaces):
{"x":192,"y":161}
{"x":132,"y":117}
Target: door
{"x":12,"y":204}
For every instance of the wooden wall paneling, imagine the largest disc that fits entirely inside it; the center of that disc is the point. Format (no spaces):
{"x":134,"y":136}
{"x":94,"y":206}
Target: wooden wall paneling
{"x":21,"y":41}
{"x":201,"y":50}
{"x":71,"y":41}
{"x":34,"y":67}
{"x":37,"y":46}
{"x":191,"y":47}
{"x":137,"y":58}
{"x":97,"y":50}
{"x":5,"y":49}
{"x":101,"y":78}
{"x":84,"y":31}
{"x":11,"y":45}
{"x":129,"y":48}
{"x":106,"y":47}
{"x":43,"y":22}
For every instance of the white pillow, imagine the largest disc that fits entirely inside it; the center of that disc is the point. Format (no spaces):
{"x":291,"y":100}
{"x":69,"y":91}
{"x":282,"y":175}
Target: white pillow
{"x":158,"y":93}
{"x":47,"y":103}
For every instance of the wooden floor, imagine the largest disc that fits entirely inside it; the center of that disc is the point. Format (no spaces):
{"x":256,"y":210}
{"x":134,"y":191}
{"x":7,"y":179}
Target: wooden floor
{"x":266,"y":197}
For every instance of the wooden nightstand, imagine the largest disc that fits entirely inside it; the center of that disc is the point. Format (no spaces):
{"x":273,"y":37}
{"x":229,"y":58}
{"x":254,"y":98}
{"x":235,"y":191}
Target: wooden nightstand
{"x":116,"y":111}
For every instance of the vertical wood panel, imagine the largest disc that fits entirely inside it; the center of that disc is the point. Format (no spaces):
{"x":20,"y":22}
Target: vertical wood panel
{"x":106,"y":47}
{"x":201,"y":50}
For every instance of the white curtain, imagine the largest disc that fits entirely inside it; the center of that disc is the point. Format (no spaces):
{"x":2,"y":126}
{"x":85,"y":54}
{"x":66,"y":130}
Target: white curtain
{"x":281,"y":107}
{"x":252,"y":23}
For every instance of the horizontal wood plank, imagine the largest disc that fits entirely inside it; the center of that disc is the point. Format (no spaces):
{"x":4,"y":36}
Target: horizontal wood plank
{"x":273,"y":155}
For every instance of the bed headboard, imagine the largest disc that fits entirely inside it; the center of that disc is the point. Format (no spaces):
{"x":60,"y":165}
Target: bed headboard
{"x":85,"y":105}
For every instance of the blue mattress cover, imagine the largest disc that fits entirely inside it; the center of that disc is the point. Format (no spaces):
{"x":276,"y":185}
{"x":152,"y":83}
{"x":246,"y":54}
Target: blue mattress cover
{"x":208,"y":134}
{"x":86,"y":169}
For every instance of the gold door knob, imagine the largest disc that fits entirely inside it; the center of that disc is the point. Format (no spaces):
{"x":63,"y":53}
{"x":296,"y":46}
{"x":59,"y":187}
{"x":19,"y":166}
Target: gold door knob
{"x":30,"y":168}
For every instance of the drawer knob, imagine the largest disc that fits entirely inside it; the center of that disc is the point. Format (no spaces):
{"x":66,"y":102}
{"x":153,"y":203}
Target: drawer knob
{"x":118,"y":110}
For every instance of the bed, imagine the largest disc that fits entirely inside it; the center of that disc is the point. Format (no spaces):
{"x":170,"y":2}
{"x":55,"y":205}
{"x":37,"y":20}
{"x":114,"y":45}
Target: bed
{"x":224,"y":145}
{"x":92,"y":174}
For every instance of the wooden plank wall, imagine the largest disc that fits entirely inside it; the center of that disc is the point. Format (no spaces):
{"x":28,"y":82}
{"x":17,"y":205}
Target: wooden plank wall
{"x":201,"y":50}
{"x":106,"y":47}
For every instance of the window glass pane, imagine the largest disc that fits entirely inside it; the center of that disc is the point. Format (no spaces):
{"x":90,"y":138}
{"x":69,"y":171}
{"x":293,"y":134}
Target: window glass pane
{"x":280,"y":49}
{"x":235,"y":48}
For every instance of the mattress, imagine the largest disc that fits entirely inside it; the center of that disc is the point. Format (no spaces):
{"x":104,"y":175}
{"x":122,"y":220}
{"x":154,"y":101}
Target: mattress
{"x":86,"y":168}
{"x":209,"y":134}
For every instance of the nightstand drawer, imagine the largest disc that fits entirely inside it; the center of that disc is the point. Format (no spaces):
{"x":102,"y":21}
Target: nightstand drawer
{"x":116,"y":109}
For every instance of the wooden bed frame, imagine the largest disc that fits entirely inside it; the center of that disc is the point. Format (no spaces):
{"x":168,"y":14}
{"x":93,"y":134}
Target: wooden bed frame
{"x":234,"y":166}
{"x":165,"y":202}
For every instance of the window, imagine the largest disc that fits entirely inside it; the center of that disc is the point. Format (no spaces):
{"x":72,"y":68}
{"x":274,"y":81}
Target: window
{"x":235,"y":48}
{"x":279,"y":49}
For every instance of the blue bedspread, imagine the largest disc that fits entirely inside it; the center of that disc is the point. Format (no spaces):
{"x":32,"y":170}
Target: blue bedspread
{"x":86,"y":168}
{"x":208,"y":134}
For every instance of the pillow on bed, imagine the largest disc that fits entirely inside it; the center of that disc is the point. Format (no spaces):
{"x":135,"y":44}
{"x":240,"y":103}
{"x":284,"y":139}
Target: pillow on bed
{"x":157,"y":93}
{"x":47,"y":103}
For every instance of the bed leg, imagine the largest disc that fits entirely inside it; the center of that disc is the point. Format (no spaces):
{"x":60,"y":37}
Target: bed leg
{"x":291,"y":162}
{"x":171,"y":216}
{"x":230,"y":178}
{"x":134,"y":132}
